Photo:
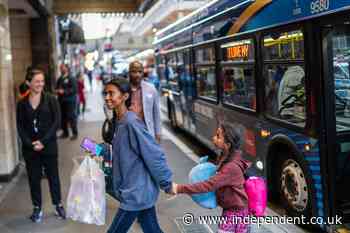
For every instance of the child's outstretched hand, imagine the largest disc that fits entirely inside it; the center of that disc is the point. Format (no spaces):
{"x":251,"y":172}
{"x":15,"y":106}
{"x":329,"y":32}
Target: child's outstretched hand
{"x":172,"y":192}
{"x":174,"y":188}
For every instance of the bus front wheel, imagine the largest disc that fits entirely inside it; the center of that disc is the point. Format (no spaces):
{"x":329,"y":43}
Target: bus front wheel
{"x":295,"y":191}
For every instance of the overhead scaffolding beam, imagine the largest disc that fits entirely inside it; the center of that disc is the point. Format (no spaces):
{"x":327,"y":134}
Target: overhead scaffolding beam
{"x":95,"y":6}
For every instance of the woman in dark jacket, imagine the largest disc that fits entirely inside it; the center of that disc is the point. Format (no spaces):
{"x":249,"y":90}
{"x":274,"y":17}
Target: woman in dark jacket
{"x":38,"y":118}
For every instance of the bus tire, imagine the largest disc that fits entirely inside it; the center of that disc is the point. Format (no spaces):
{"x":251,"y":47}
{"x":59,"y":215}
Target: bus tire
{"x":294,"y":185}
{"x":173,"y":122}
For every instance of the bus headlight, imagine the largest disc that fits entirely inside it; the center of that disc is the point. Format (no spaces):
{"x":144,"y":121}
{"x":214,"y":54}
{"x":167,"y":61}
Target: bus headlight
{"x":259,"y":164}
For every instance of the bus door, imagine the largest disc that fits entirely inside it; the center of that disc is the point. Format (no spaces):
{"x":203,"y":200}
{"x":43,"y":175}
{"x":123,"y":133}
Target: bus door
{"x":187,"y":88}
{"x":164,"y":89}
{"x":336,"y":83}
{"x":205,"y":105}
{"x":174,"y":65}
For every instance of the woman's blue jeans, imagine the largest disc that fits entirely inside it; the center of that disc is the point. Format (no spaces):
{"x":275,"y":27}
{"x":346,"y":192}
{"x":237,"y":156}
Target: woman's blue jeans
{"x":124,"y":219}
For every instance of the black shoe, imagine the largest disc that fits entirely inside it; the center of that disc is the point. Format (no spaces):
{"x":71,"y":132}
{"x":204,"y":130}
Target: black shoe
{"x":74,"y":137}
{"x":64,"y":136}
{"x":43,"y":174}
{"x":37,"y":215}
{"x":60,"y":212}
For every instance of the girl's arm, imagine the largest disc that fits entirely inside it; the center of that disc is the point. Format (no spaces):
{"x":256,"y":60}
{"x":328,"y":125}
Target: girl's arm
{"x":222,"y":178}
{"x":152,"y":155}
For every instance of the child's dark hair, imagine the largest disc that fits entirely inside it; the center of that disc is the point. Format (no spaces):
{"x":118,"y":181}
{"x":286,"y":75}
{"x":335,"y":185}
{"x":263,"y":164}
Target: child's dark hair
{"x":232,"y":136}
{"x":123,"y":86}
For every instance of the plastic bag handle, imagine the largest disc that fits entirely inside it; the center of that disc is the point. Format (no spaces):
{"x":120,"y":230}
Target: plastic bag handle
{"x":75,"y":160}
{"x":76,"y":163}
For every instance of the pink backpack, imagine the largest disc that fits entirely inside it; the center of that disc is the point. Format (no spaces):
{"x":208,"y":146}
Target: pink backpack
{"x":256,"y":190}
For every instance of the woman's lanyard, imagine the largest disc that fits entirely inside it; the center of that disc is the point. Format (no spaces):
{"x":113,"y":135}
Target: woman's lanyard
{"x":35,"y":125}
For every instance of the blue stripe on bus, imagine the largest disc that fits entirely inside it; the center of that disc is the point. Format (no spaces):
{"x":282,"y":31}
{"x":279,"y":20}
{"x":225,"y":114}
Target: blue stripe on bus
{"x":320,"y":213}
{"x":320,"y":204}
{"x":314,"y":168}
{"x":314,"y":163}
{"x":317,"y":181}
{"x":314,"y":172}
{"x":319,"y":195}
{"x":312,"y":157}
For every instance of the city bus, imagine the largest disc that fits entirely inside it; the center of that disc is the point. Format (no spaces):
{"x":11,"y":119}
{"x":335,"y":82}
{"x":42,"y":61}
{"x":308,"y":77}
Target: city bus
{"x":277,"y":70}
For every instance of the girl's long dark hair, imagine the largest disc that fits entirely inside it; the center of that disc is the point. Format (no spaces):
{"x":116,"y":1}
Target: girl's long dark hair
{"x":123,"y":86}
{"x":233,"y":137}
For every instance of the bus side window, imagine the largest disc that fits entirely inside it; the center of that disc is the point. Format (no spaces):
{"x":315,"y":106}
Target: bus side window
{"x":238,"y":73}
{"x":205,"y":72}
{"x":239,"y":86}
{"x":285,"y":77}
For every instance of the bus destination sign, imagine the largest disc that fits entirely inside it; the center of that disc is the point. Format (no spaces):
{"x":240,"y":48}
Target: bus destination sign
{"x":237,"y":51}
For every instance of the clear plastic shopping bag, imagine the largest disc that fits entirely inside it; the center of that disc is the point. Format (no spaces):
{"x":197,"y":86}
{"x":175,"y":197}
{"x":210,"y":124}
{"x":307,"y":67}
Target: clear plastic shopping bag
{"x":86,"y":200}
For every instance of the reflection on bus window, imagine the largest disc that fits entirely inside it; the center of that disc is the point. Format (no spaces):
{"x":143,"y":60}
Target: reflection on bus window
{"x":285,"y":92}
{"x":239,"y":86}
{"x":206,"y":82}
{"x":341,"y":61}
{"x":186,"y":81}
{"x":205,"y":55}
{"x":171,"y":71}
{"x":284,"y":46}
{"x":161,"y":64}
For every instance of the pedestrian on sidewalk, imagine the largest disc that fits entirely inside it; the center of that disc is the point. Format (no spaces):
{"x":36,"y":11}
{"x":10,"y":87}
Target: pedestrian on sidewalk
{"x":139,"y":164}
{"x":228,"y":183}
{"x":23,"y":87}
{"x":67,"y":90}
{"x":38,"y":117}
{"x":144,"y":100}
{"x":81,"y":94}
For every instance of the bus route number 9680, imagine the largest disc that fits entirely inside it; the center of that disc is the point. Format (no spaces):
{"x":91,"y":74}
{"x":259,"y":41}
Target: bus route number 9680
{"x":319,"y":6}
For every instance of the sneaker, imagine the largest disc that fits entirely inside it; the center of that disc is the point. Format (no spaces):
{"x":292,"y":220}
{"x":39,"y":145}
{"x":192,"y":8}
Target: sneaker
{"x":63,"y":136}
{"x":60,"y":212}
{"x":43,"y":174}
{"x":37,"y":215}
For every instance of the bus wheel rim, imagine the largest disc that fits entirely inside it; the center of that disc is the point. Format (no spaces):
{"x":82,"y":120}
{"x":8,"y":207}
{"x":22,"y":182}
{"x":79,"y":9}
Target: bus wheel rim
{"x":293,"y":185}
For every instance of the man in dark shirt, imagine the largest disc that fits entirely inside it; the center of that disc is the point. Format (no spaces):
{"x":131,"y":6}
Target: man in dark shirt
{"x":66,"y":89}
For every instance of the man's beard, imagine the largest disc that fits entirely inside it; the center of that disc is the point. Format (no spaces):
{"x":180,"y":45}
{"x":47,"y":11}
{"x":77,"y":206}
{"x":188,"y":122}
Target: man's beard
{"x":135,"y":82}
